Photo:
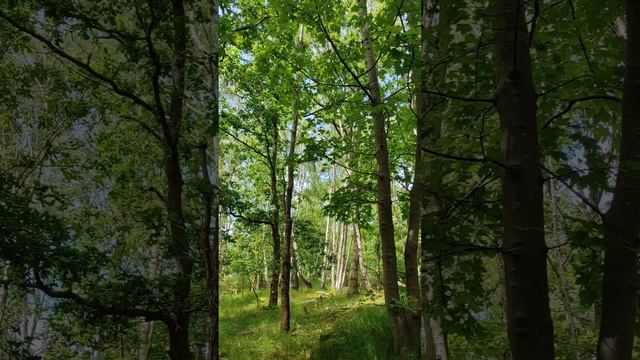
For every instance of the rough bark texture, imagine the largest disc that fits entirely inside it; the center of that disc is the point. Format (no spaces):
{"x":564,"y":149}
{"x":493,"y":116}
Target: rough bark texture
{"x":403,"y":345}
{"x":285,"y":314}
{"x":529,"y":325}
{"x":622,"y":221}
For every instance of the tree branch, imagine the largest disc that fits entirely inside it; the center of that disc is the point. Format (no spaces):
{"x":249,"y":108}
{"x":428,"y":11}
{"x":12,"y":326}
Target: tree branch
{"x":94,"y":74}
{"x":572,"y":103}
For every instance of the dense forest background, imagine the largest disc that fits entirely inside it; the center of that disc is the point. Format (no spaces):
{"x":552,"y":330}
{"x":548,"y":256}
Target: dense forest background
{"x":304,"y":179}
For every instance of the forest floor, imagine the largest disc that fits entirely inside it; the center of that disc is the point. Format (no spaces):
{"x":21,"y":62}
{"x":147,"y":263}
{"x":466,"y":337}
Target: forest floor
{"x":324,"y":325}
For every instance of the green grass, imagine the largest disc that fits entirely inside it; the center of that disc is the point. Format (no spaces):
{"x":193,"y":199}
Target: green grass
{"x":324,"y":325}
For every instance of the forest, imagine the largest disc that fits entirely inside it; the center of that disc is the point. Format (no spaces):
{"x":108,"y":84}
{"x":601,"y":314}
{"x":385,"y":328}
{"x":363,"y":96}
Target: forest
{"x":307,"y":179}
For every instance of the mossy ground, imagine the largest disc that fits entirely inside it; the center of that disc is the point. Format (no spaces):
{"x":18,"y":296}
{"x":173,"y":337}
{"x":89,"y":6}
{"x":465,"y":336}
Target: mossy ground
{"x":324,"y":325}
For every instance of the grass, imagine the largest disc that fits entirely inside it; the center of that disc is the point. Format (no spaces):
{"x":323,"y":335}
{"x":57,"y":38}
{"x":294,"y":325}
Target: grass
{"x":324,"y":325}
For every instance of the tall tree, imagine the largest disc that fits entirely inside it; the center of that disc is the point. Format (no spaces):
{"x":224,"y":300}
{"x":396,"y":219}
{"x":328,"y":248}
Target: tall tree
{"x":622,"y":222}
{"x":288,"y":221}
{"x":524,"y":250}
{"x":405,"y":339}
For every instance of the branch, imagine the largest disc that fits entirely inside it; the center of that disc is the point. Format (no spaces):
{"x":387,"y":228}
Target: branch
{"x":461,"y":98}
{"x":252,"y":148}
{"x":148,"y":315}
{"x":465,"y":159}
{"x":342,"y":60}
{"x":248,"y":219}
{"x":581,"y":196}
{"x":96,"y":76}
{"x":573,"y":102}
{"x":250,"y":26}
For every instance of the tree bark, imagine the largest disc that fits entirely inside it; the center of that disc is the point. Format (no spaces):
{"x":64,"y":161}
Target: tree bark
{"x":622,"y":222}
{"x":275,"y":221}
{"x":299,"y":268}
{"x":179,"y":332}
{"x":325,"y":253}
{"x":285,"y":313}
{"x":403,"y":342}
{"x":355,"y":265}
{"x":529,"y":325}
{"x":361,"y":264}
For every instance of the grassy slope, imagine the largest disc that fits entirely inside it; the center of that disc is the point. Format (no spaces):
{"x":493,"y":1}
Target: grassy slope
{"x":325,"y":325}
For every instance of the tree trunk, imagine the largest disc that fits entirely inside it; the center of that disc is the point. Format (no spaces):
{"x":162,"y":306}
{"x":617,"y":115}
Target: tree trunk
{"x":285,"y":313}
{"x":355,"y":265}
{"x":299,"y":268}
{"x":345,"y":254}
{"x":403,"y":344}
{"x":433,"y":337}
{"x":363,"y":269}
{"x":557,"y":259}
{"x":529,"y":325}
{"x":179,"y":333}
{"x":335,"y":271}
{"x":145,"y":346}
{"x":325,"y":254}
{"x":622,"y":221}
{"x":275,"y":221}
{"x":179,"y":339}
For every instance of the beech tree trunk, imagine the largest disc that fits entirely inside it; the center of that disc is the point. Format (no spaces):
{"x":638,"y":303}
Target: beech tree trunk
{"x":529,"y":325}
{"x":403,"y":342}
{"x":622,"y":221}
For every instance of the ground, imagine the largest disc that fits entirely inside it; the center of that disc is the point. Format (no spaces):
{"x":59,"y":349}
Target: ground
{"x":324,"y":325}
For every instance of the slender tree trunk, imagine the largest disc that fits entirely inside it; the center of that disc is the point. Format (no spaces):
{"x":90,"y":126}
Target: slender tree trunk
{"x":145,"y":348}
{"x":335,"y":270}
{"x":325,"y":254}
{"x":622,"y":221}
{"x":355,"y":265}
{"x":299,"y":268}
{"x":361,"y":264}
{"x":403,"y":344}
{"x":275,"y":221}
{"x":285,"y":314}
{"x":346,"y":254}
{"x":557,"y":259}
{"x":265,"y":263}
{"x":529,"y":323}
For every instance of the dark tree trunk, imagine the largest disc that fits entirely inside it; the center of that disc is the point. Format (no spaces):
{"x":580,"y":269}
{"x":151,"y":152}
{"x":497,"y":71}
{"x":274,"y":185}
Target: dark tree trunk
{"x":179,"y":339}
{"x":179,"y":333}
{"x":355,"y":265}
{"x":622,"y":221}
{"x":285,"y":313}
{"x":529,"y":325}
{"x":275,"y":221}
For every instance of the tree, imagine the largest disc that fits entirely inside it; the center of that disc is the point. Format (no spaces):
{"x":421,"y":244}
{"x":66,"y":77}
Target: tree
{"x":524,"y":250}
{"x":621,"y":224}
